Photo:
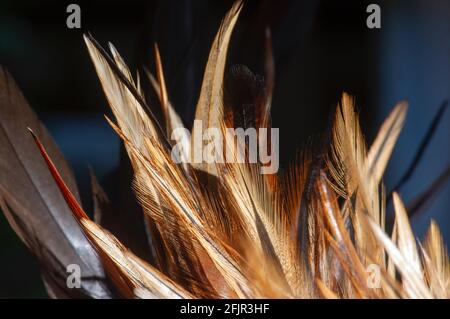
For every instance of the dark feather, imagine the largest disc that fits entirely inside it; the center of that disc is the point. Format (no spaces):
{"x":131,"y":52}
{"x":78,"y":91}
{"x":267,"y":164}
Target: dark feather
{"x":32,"y":203}
{"x":244,"y":98}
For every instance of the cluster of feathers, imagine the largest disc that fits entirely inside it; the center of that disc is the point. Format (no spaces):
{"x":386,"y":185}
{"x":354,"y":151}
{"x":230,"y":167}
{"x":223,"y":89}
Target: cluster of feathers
{"x":218,"y":230}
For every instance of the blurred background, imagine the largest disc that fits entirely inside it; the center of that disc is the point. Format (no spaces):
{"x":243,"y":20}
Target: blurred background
{"x":321,"y":48}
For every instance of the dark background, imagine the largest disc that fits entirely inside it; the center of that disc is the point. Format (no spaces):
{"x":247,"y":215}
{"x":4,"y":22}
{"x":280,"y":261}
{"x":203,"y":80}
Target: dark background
{"x":321,"y":47}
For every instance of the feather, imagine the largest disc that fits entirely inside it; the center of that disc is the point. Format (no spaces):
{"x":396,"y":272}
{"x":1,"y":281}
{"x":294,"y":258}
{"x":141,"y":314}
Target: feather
{"x":405,"y":237}
{"x":418,"y":204}
{"x":384,"y":143}
{"x":127,"y":227}
{"x":437,"y":265}
{"x":124,"y":268}
{"x":163,"y":96}
{"x":414,"y":284}
{"x":174,"y":126}
{"x":33,"y":205}
{"x":269,"y":66}
{"x":188,"y":212}
{"x":423,"y":146}
{"x":314,"y":230}
{"x":209,"y":105}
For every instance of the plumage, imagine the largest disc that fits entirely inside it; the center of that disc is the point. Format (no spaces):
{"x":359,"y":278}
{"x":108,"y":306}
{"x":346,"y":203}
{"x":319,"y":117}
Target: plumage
{"x":33,"y":205}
